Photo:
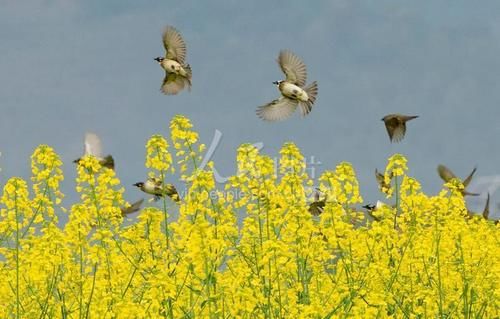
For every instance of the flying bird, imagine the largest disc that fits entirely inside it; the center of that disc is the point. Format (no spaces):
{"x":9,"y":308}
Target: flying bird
{"x":154,"y":186}
{"x":396,"y":125}
{"x":293,"y":90}
{"x":92,"y":146}
{"x":132,"y":208}
{"x":177,"y":71}
{"x":381,"y":180}
{"x":317,"y":206}
{"x":446,"y":175}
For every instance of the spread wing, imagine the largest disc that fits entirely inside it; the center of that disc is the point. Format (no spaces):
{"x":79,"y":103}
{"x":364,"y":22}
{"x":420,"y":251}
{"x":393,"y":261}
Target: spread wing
{"x":132,"y":208}
{"x":293,"y":67}
{"x":174,"y":83}
{"x":445,"y":173}
{"x":278,"y":110}
{"x":395,"y":129}
{"x":380,"y":178}
{"x":92,"y":145}
{"x":317,"y":208}
{"x":486,"y":210}
{"x":469,"y":178}
{"x":174,"y":44}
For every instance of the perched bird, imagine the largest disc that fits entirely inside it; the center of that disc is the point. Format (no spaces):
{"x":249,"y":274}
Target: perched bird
{"x":446,"y":175}
{"x":317,"y":206}
{"x":177,"y":71}
{"x":154,"y":187}
{"x":370,"y":208}
{"x":396,"y":125}
{"x":92,"y":146}
{"x":132,"y":208}
{"x":293,"y":90}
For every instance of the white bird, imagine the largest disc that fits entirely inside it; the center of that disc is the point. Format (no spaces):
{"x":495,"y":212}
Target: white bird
{"x":177,"y":71}
{"x":92,"y":146}
{"x":293,"y":90}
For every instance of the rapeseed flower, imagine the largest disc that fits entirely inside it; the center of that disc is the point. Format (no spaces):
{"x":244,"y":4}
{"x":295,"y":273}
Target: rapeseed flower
{"x":249,"y":250}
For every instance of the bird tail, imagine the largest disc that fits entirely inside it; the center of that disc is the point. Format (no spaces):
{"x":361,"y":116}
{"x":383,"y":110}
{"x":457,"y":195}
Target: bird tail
{"x":312,"y":92}
{"x":171,"y":192}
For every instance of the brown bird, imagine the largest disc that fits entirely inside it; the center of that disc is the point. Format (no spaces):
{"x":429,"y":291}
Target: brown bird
{"x":177,"y":71}
{"x":446,"y":175}
{"x":132,"y":208}
{"x":317,"y":206}
{"x":381,"y":180}
{"x":396,"y":125}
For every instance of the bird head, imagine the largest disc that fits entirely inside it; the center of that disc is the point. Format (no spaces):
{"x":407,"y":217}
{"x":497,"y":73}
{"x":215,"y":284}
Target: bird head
{"x":277,"y":82}
{"x":159,"y":59}
{"x":369,"y":206}
{"x":138,"y":184}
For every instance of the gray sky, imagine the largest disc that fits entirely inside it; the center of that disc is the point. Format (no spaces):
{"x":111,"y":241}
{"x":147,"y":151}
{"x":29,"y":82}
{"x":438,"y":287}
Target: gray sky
{"x":70,"y":66}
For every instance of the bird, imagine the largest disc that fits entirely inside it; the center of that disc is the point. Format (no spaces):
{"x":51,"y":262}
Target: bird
{"x":370,"y":208}
{"x":317,"y":206}
{"x":134,"y":207}
{"x":154,"y":186}
{"x":396,"y":125}
{"x":177,"y":71}
{"x":446,"y":175}
{"x":92,"y":146}
{"x":381,"y":179}
{"x":293,"y":90}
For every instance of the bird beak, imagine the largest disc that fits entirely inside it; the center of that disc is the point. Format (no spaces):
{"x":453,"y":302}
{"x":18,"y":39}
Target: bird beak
{"x":157,"y":59}
{"x":276,"y":82}
{"x":136,"y":184}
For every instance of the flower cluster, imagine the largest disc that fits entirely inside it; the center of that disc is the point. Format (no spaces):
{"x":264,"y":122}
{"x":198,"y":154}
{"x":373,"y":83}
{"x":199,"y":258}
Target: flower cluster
{"x":261,"y":254}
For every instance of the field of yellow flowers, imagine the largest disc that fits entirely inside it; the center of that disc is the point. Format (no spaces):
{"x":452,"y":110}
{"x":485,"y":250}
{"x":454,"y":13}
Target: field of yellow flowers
{"x":421,"y":258}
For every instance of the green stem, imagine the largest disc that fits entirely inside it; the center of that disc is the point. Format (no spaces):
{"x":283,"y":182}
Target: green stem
{"x":397,"y":201}
{"x":18,"y":303}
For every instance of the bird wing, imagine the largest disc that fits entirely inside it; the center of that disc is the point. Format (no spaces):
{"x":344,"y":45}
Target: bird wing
{"x":132,"y":208}
{"x":395,"y":129}
{"x":277,"y":110}
{"x":469,"y":178}
{"x":156,"y":181}
{"x":174,"y":44}
{"x":293,"y":67}
{"x":445,"y":173}
{"x":173,"y":84}
{"x":486,"y":210}
{"x":316,"y":208}
{"x":380,"y":178}
{"x":92,"y":145}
